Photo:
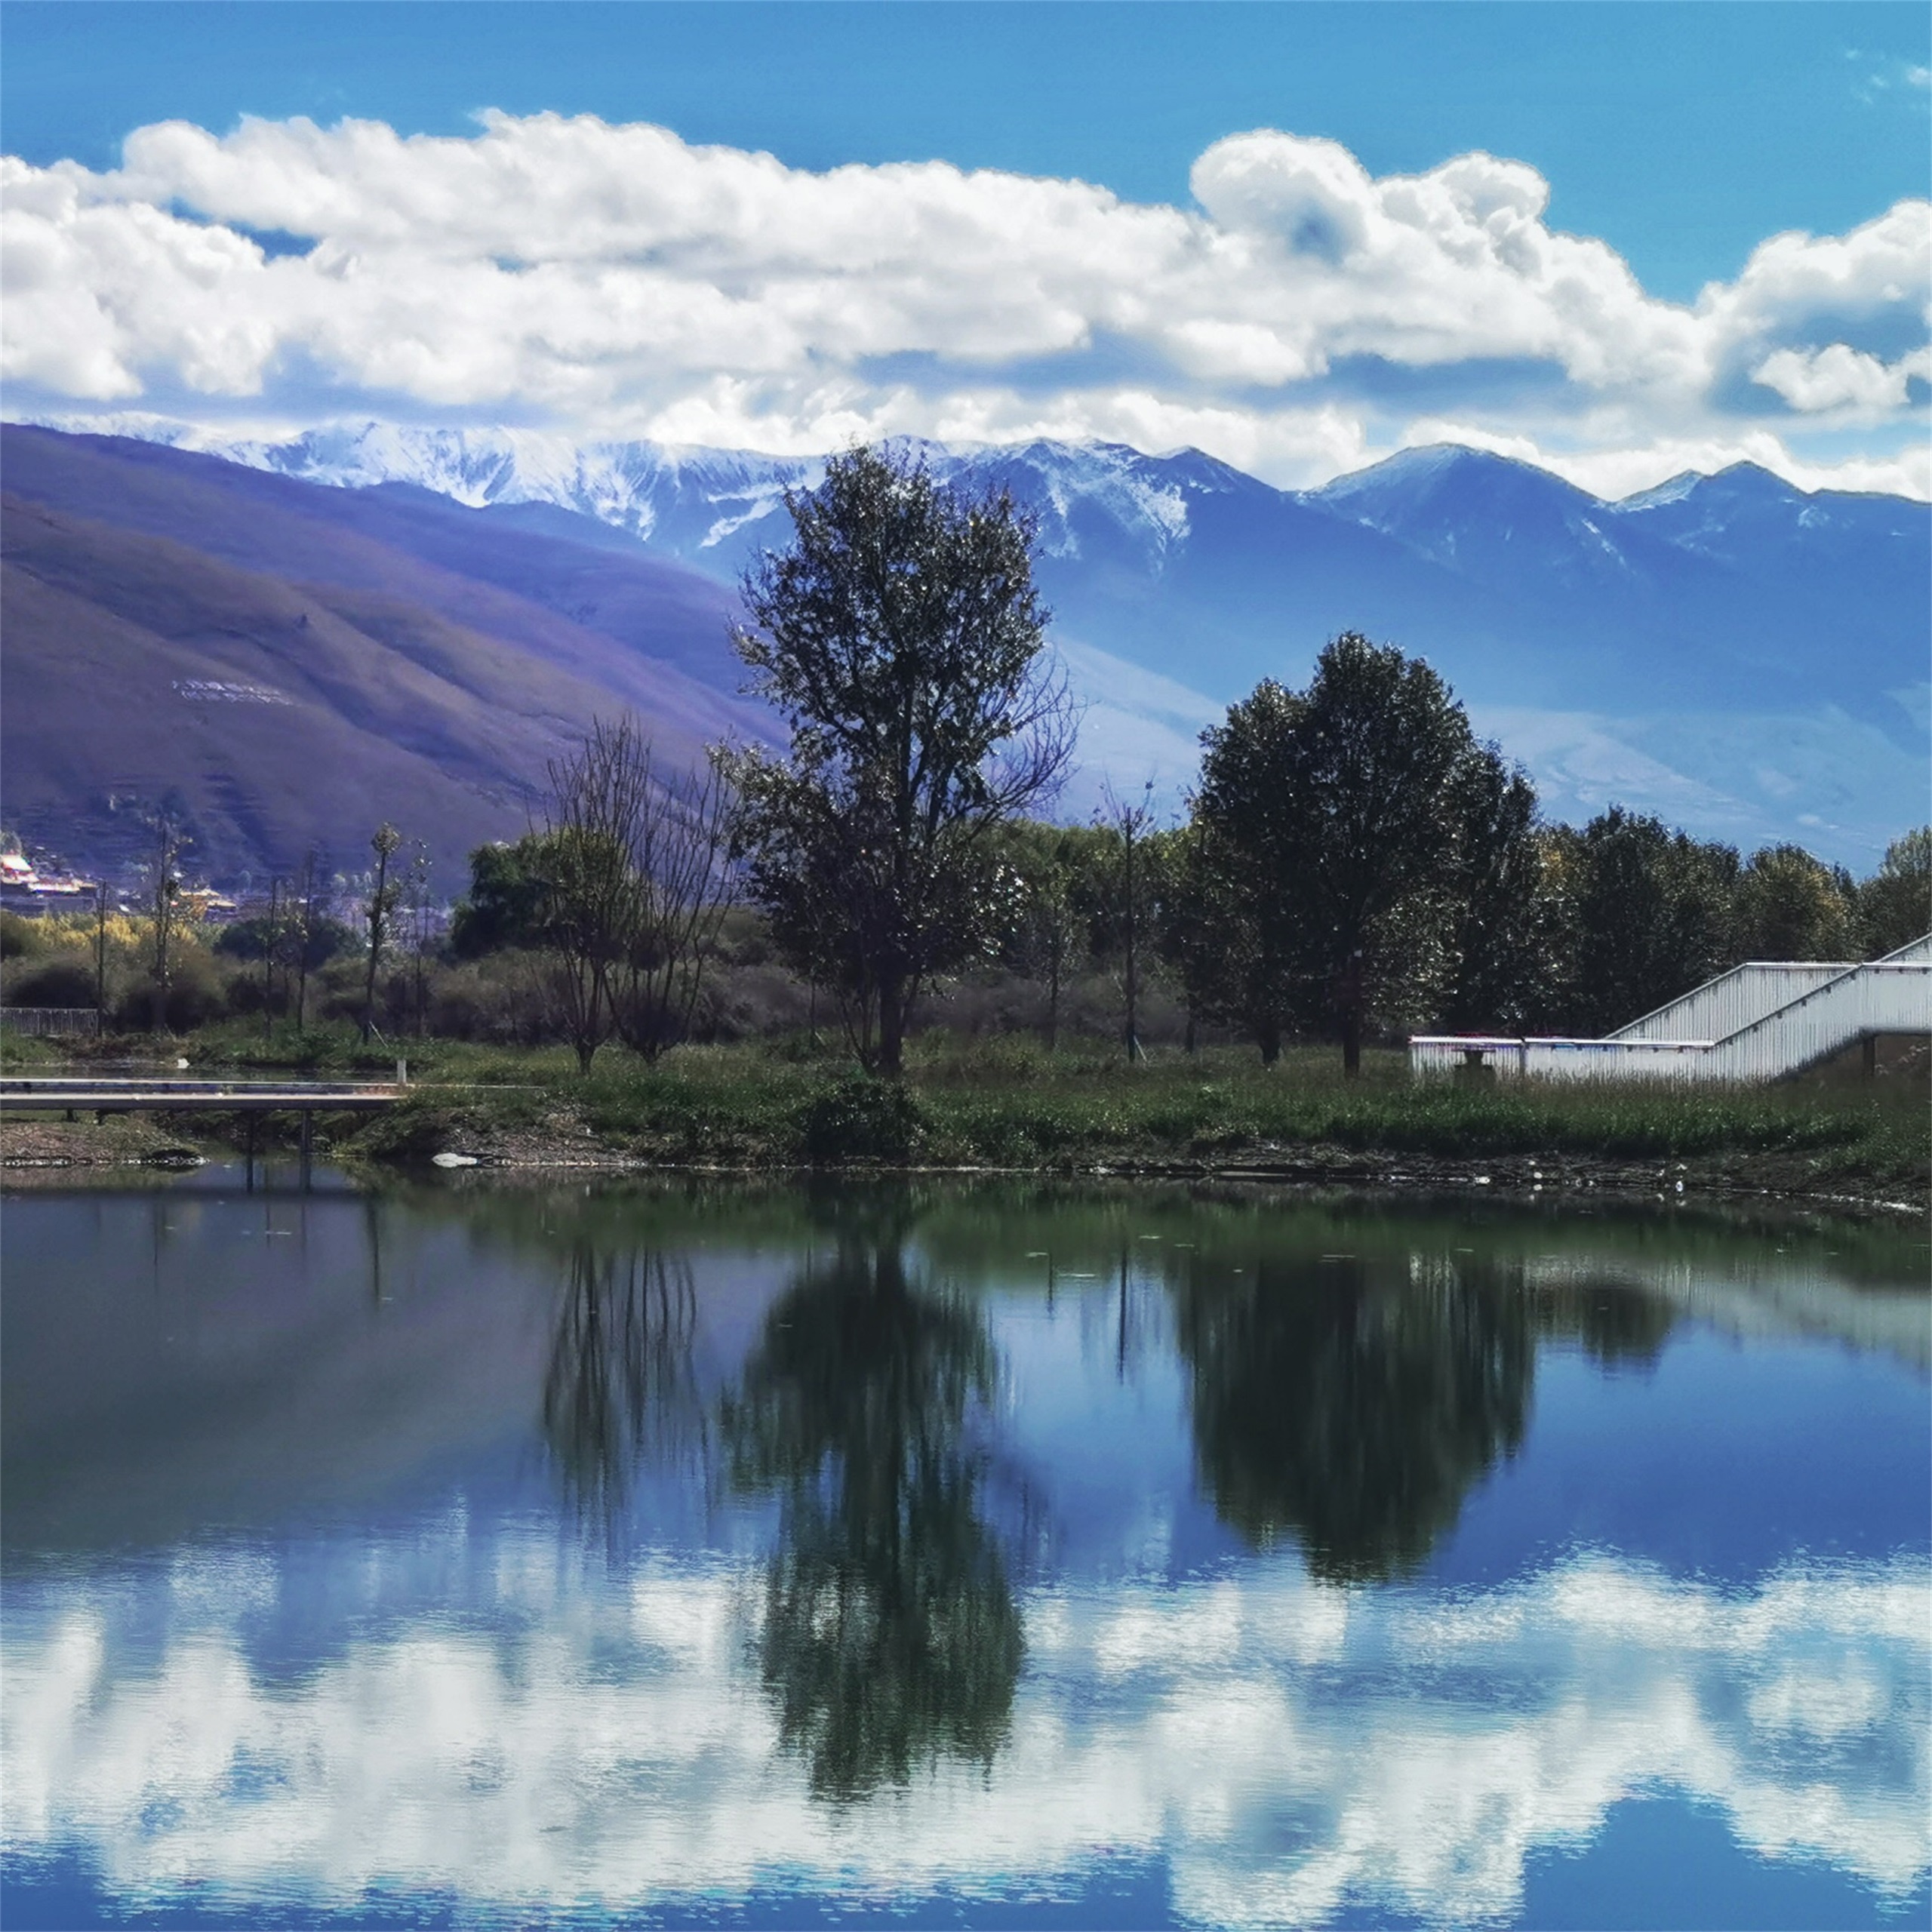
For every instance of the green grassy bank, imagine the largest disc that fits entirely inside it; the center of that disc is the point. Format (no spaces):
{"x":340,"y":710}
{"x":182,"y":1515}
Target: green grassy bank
{"x":1008,"y":1103}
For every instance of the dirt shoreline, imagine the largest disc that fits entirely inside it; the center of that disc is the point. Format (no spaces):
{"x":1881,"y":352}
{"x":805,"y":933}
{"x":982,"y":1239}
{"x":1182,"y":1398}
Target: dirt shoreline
{"x":46,"y":1147}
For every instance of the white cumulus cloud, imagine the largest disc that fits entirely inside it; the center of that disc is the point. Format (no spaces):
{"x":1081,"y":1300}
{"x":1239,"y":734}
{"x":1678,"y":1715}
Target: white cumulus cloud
{"x":568,"y":274}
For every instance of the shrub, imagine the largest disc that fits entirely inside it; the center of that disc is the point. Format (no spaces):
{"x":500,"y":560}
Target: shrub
{"x":54,"y":982}
{"x":20,"y":938}
{"x":194,"y":997}
{"x":862,"y":1119}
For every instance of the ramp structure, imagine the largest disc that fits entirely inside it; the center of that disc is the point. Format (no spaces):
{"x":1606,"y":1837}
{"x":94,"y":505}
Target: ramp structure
{"x":1758,"y":1021}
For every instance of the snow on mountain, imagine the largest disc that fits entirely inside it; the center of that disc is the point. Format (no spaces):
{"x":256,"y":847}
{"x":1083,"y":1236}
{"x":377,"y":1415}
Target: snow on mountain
{"x":1657,"y":639}
{"x":712,"y":507}
{"x":1482,"y":515}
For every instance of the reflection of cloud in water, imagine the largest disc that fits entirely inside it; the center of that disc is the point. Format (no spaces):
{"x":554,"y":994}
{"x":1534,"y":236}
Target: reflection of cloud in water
{"x":1287,"y":1745}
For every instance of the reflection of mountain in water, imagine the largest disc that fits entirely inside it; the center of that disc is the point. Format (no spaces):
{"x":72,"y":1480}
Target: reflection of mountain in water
{"x":891,"y":1635}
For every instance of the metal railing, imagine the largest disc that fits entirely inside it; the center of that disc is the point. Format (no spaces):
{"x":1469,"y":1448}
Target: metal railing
{"x":61,"y":1021}
{"x":1724,"y":1030}
{"x":54,"y":1092}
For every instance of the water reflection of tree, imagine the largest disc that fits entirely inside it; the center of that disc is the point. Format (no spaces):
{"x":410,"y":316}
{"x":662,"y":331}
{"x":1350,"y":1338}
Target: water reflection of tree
{"x":1618,"y":1326}
{"x":1351,"y":1405}
{"x":619,"y":1386}
{"x":890,"y":1637}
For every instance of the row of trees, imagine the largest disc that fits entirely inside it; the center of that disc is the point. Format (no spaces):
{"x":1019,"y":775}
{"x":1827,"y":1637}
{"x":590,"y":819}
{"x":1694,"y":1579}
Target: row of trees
{"x":1543,"y":929}
{"x":1353,"y":857}
{"x":158,"y":965}
{"x":1354,"y":860}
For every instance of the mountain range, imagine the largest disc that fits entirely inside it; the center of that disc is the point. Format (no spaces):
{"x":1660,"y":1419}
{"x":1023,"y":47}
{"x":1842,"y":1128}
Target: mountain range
{"x":1745,"y":658}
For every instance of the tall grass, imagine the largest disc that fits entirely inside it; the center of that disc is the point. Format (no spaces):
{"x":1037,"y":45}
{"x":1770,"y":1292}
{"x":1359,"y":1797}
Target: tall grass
{"x":1009,"y":1103}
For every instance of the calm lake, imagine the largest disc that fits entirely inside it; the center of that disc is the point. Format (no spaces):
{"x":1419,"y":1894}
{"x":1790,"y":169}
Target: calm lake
{"x":932,"y":1554}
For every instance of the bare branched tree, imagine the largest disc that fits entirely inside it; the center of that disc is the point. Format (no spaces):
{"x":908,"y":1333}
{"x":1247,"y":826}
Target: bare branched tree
{"x":600,"y":795}
{"x":636,"y":878}
{"x":418,"y":905}
{"x":1129,"y":819}
{"x":274,"y":931}
{"x":682,"y":859}
{"x":382,"y":907}
{"x":100,"y":956}
{"x":311,"y":909}
{"x":167,"y":841}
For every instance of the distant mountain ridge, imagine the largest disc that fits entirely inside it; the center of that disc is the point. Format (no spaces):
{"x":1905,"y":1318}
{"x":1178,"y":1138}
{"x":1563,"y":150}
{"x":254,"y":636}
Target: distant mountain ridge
{"x":1746,"y":658}
{"x":1478,"y":547}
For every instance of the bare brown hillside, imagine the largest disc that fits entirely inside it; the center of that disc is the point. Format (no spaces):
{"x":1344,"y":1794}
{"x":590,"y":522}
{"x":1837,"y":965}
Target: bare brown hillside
{"x":291,"y":680}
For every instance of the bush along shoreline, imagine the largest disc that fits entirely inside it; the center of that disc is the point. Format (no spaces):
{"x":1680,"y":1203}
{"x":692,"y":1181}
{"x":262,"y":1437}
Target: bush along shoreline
{"x":1007,"y":1105}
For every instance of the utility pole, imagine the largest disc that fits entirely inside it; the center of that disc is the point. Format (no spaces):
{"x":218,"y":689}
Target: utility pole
{"x":99,"y":957}
{"x":383,"y":844}
{"x":1133,"y":991}
{"x":268,"y":963}
{"x":168,"y":841}
{"x":1130,"y":821}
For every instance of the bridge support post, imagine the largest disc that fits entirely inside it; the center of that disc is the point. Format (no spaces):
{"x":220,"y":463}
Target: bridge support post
{"x":308,"y":1142}
{"x":1869,"y":1045}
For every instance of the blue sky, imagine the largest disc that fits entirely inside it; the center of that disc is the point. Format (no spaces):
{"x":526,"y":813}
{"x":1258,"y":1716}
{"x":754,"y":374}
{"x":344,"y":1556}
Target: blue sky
{"x":1683,"y":135}
{"x":1681,"y":138}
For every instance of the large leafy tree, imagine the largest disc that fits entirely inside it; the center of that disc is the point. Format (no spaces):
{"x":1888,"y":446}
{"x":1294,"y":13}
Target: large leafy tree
{"x":1507,"y":945}
{"x":901,"y":638}
{"x":1895,"y":904}
{"x":504,"y":906}
{"x":1236,"y":933}
{"x":1349,"y":830}
{"x":1651,"y":915}
{"x":1790,"y":905}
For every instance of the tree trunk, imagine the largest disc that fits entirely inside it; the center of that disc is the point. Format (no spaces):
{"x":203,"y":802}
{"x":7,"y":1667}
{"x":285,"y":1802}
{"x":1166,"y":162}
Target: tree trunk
{"x":1352,"y":1003}
{"x":892,"y":1004}
{"x":1052,"y":1004}
{"x":1267,"y":1037}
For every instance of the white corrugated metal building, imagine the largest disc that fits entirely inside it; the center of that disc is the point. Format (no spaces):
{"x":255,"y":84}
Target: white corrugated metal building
{"x":1758,"y":1021}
